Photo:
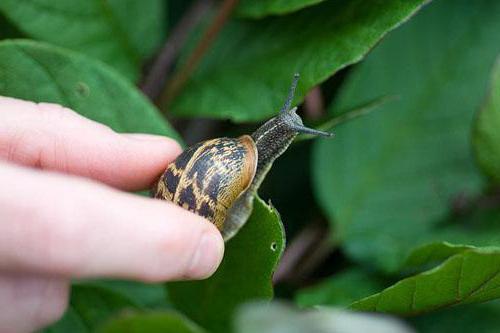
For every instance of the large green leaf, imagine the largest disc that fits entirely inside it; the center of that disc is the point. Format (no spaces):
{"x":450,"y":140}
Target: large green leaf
{"x":341,"y":289}
{"x":472,"y":276}
{"x":244,"y":274}
{"x":280,"y":318}
{"x":150,"y":322}
{"x":119,"y":32}
{"x":40,"y":72}
{"x":433,"y":254}
{"x":480,"y":227}
{"x":245,"y":76}
{"x":482,"y":318}
{"x":487,"y":130}
{"x":260,"y":8}
{"x":387,"y":180}
{"x":70,"y":322}
{"x":90,"y":305}
{"x":147,"y":295}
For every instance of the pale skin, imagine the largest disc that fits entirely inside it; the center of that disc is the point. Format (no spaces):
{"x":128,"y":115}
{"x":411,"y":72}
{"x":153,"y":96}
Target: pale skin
{"x":65,"y":212}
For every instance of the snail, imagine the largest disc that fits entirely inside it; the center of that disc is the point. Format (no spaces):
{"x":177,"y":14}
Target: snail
{"x":218,"y":178}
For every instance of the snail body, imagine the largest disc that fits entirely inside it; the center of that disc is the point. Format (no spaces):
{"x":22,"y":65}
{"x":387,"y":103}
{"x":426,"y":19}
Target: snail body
{"x":219,"y":178}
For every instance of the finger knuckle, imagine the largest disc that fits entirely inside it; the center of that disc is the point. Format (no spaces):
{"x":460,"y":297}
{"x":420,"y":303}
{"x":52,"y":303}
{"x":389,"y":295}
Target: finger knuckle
{"x":16,"y":147}
{"x":54,"y":113}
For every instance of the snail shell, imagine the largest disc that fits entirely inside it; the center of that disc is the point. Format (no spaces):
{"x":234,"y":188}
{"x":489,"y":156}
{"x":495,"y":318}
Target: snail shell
{"x":208,"y":177}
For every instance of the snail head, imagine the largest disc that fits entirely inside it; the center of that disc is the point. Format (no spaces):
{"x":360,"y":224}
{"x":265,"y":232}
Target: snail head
{"x":275,"y":135}
{"x":291,"y":119}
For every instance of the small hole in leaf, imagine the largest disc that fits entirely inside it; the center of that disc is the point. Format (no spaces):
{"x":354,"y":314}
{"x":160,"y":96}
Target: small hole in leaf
{"x":274,"y":246}
{"x":82,"y":89}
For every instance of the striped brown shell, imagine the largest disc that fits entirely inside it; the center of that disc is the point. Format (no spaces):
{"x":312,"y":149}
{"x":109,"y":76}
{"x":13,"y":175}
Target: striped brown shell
{"x":209,"y":176}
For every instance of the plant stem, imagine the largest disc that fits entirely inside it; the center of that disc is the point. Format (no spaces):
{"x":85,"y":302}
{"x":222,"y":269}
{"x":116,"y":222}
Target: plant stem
{"x":314,"y":106}
{"x":308,"y":248}
{"x":180,"y":78}
{"x":156,"y":77}
{"x":462,"y":204}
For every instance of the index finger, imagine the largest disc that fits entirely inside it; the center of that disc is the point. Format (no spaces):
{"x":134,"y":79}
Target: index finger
{"x":65,"y":226}
{"x":49,"y":136}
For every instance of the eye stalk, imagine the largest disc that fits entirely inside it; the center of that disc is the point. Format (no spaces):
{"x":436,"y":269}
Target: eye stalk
{"x":294,"y":121}
{"x":291,"y":93}
{"x":311,"y":131}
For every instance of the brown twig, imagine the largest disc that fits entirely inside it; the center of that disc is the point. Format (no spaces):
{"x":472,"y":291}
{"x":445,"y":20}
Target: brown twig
{"x":180,"y":78}
{"x":314,"y":106}
{"x":462,"y":204}
{"x":156,"y":77}
{"x":318,"y":254}
{"x":307,"y":249}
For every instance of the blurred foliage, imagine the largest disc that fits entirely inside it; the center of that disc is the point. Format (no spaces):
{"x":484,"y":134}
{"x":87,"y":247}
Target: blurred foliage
{"x":487,"y":133}
{"x":471,"y":318}
{"x":90,"y":306}
{"x":280,"y":318}
{"x":118,"y":32}
{"x":388,"y":179}
{"x":41,"y":72}
{"x":410,"y":192}
{"x":151,"y":322}
{"x":261,"y":8}
{"x":342,"y":289}
{"x":243,"y":75}
{"x":145,"y":295}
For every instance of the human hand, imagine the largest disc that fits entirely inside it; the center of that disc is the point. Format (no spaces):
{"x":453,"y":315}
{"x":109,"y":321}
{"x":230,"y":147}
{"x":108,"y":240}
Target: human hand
{"x":56,"y":226}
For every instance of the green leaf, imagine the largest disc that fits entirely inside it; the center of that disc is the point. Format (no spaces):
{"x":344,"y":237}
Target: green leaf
{"x":482,"y":318}
{"x":487,"y":130}
{"x":434,"y":253}
{"x":280,"y":318}
{"x":479,"y":227}
{"x":246,"y":75}
{"x":261,"y":8}
{"x":471,"y":276}
{"x":150,"y":322}
{"x":70,"y":322}
{"x":340,"y":289}
{"x":386,"y":181}
{"x":244,"y":274}
{"x":349,"y":115}
{"x":90,"y":305}
{"x":147,"y":295}
{"x":118,"y":32}
{"x":40,"y":72}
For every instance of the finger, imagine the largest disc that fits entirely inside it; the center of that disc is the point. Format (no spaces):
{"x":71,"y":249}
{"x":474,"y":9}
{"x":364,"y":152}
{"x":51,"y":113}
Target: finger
{"x":30,"y":302}
{"x":52,"y":137}
{"x":69,"y":226}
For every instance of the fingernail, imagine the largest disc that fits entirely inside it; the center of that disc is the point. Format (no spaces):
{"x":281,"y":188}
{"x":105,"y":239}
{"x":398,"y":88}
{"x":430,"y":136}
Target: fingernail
{"x":207,"y":257}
